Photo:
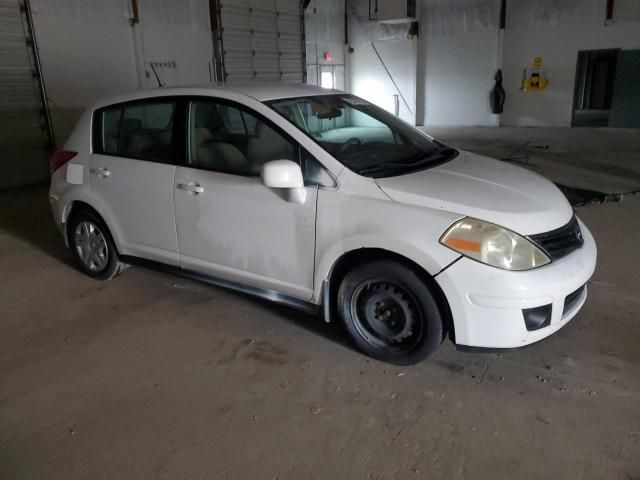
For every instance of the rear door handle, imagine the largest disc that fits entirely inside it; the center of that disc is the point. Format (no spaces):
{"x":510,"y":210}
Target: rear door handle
{"x":190,"y":187}
{"x":101,"y":171}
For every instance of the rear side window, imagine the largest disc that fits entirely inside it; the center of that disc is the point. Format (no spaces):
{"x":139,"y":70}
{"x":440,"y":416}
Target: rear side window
{"x":141,"y":130}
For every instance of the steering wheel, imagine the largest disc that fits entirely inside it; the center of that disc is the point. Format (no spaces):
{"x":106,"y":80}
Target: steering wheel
{"x":348,"y":143}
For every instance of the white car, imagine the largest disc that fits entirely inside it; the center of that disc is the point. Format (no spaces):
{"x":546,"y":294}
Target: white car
{"x":323,"y":201}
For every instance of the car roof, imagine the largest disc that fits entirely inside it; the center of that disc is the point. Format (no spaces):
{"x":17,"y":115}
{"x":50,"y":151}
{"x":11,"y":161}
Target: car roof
{"x":261,"y":91}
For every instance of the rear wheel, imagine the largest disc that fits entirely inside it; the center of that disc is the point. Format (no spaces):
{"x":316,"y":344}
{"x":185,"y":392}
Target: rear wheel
{"x":92,"y":245}
{"x":390,"y":312}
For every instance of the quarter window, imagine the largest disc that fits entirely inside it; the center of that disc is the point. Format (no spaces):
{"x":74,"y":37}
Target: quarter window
{"x":142,"y":130}
{"x":110,"y":128}
{"x":227,"y":139}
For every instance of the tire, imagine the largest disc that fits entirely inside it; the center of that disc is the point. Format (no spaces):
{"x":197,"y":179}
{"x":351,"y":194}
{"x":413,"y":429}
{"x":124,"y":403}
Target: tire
{"x":92,"y":245}
{"x":390,"y":312}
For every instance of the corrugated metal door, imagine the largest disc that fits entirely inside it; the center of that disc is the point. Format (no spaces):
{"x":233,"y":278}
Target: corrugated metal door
{"x":23,"y":142}
{"x":261,"y":39}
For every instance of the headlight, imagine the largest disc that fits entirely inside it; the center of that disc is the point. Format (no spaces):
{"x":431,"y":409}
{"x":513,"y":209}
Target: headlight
{"x":493,"y":245}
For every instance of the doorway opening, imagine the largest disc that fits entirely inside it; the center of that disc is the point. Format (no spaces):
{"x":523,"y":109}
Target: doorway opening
{"x":593,"y":93}
{"x":327,"y":76}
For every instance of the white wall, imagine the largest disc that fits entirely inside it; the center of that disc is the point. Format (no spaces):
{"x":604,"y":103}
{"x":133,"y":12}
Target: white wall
{"x":177,"y":32}
{"x":460,"y":47}
{"x":459,"y":78}
{"x":370,"y":80}
{"x":445,"y":74}
{"x":85,"y":54}
{"x":557,"y":39}
{"x":89,"y":49}
{"x":459,"y":42}
{"x":382,"y":63}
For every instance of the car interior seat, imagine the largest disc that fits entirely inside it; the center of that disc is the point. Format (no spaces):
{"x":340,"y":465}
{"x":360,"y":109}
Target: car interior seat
{"x":222,"y":157}
{"x":154,"y":145}
{"x":128,"y":128}
{"x":267,"y":145}
{"x":209,"y":148}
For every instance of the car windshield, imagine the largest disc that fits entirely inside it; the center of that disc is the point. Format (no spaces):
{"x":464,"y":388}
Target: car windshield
{"x":366,"y":139}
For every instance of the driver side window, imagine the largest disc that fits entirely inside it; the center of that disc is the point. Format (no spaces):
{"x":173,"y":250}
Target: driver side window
{"x":228,"y":139}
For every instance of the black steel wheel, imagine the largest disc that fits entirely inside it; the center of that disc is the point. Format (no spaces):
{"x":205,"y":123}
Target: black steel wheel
{"x":390,"y":313}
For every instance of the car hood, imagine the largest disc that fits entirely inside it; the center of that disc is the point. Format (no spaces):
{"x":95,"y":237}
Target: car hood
{"x":487,"y":189}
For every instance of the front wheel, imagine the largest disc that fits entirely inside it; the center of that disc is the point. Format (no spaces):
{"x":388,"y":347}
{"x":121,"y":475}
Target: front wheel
{"x":390,"y":312}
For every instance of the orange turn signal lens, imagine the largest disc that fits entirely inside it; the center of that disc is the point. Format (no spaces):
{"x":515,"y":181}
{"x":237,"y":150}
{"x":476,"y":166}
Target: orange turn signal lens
{"x":460,"y":244}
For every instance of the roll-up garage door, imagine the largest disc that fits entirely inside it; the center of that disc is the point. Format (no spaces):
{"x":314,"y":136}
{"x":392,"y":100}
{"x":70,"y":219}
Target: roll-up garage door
{"x":23,"y":139}
{"x":260,"y":39}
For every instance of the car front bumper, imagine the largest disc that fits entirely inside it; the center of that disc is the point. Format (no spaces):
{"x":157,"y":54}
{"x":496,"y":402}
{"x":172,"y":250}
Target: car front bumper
{"x":487,"y":303}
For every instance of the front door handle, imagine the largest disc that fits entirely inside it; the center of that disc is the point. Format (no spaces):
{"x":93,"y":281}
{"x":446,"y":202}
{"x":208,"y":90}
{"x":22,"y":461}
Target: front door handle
{"x":190,"y":187}
{"x":101,"y":171}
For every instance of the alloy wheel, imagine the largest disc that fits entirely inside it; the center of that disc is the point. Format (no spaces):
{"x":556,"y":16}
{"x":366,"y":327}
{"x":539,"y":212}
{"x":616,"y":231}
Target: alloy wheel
{"x":91,"y":246}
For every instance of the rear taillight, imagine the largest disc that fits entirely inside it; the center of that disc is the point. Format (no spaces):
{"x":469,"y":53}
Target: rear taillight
{"x":59,"y":158}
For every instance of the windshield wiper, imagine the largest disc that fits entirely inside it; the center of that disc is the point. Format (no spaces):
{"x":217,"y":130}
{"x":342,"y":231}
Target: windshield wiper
{"x":434,"y":157}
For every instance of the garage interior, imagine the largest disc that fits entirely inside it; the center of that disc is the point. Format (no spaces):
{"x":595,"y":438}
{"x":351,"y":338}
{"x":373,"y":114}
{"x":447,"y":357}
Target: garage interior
{"x":153,"y":376}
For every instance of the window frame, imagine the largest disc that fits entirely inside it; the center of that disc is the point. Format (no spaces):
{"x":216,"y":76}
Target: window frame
{"x":180,"y":146}
{"x":175,"y":158}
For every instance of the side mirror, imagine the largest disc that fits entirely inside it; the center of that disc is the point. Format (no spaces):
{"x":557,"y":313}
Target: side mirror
{"x":284,"y":174}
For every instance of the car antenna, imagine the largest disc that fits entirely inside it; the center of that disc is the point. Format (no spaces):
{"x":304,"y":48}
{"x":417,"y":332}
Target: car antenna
{"x":160,"y":85}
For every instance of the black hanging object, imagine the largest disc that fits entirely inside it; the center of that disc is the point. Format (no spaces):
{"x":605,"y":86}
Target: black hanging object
{"x":498,"y":95}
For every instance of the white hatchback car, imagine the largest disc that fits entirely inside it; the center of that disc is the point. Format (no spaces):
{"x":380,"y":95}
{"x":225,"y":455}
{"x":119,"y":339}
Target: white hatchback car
{"x":323,"y":201}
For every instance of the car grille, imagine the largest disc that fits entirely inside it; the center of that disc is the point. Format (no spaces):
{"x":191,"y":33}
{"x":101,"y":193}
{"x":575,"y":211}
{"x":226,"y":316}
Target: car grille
{"x":560,"y":242}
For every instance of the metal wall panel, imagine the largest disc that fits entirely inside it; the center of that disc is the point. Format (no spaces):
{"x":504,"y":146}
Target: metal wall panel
{"x":262,"y":40}
{"x":23,"y":153}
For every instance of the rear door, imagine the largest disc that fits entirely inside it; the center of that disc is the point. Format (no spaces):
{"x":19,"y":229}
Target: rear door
{"x":132,"y":171}
{"x":229,"y":224}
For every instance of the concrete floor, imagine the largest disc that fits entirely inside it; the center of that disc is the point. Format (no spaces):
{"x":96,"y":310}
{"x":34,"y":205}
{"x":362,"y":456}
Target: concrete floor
{"x":151,"y":376}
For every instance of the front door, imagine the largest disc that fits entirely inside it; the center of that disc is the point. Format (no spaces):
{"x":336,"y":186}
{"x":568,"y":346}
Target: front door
{"x":132,"y":171}
{"x":231,"y":226}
